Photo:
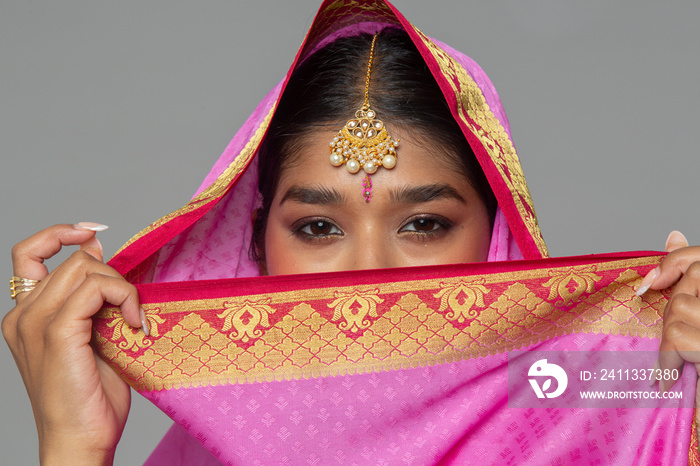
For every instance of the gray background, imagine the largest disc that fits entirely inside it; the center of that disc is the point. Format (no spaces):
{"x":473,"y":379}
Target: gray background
{"x":114,"y":111}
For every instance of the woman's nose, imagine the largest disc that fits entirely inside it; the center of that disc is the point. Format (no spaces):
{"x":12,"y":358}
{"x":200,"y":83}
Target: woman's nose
{"x":371,"y":251}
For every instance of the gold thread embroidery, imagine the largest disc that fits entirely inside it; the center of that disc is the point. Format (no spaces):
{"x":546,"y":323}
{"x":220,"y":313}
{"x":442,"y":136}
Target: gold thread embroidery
{"x":134,"y":338}
{"x":569,"y":285}
{"x":245,"y":318}
{"x":461,"y":299}
{"x":409,"y":331}
{"x":353,"y":308}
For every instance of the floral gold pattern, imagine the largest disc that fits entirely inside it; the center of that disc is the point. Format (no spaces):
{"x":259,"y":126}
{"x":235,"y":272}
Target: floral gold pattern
{"x":245,"y":318}
{"x":461,"y":299}
{"x":133,"y":338}
{"x":569,"y":286}
{"x":352,"y":308}
{"x":346,"y":329}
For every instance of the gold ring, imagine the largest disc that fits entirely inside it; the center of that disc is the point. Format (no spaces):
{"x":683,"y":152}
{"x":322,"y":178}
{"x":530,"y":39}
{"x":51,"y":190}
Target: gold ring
{"x":20,"y":285}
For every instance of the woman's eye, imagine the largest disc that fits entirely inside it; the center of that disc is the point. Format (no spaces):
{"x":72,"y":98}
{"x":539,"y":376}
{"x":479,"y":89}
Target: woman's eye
{"x":426,"y":225}
{"x":319,"y":228}
{"x":423,"y":224}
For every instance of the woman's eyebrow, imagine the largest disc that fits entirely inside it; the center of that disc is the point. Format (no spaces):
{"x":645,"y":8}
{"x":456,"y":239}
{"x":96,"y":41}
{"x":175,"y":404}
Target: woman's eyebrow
{"x":424,"y":193}
{"x":313,"y":195}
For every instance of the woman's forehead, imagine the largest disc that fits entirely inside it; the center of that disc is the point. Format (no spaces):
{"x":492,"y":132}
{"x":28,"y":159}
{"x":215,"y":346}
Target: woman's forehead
{"x":418,"y":164}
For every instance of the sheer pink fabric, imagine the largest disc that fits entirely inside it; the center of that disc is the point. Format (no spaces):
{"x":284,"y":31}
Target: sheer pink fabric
{"x":438,"y":415}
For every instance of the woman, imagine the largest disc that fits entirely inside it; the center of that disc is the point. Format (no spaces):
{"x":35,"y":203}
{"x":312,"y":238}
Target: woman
{"x":115,"y":291}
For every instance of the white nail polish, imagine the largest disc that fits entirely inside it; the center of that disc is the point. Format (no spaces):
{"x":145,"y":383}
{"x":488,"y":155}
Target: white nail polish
{"x":144,"y":323}
{"x":643,"y":289}
{"x":90,"y":226}
{"x":647,"y":282}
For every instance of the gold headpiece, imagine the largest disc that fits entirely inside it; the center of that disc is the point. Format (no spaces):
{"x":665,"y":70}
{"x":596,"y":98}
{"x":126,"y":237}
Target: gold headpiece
{"x":364,"y":141}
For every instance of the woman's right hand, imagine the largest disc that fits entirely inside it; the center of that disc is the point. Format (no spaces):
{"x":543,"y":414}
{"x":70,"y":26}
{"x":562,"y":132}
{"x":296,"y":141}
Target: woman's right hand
{"x":80,"y":404}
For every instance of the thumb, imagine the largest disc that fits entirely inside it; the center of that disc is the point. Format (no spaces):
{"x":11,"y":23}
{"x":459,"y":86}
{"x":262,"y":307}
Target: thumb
{"x":675,"y":240}
{"x":93,"y":247}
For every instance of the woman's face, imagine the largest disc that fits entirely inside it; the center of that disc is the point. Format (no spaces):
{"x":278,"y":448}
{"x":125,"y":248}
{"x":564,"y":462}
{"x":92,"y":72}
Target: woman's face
{"x":422,"y":212}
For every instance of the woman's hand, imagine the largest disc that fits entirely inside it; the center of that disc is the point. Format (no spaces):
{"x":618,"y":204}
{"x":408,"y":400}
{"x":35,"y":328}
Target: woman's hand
{"x":80,"y":404}
{"x":680,"y":340}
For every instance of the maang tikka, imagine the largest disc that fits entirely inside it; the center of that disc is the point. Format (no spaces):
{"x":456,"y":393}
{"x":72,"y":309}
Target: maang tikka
{"x":364,"y":141}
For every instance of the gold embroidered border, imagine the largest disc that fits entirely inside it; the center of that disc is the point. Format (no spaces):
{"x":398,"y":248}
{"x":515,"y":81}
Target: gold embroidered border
{"x":347,"y":330}
{"x":472,"y":103}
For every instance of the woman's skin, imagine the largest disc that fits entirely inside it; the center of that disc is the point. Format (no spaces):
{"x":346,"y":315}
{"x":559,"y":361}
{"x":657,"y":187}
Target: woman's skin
{"x":422,"y":212}
{"x":81,"y":405}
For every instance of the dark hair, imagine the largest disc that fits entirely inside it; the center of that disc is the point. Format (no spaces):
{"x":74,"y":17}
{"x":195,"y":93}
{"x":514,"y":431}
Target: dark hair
{"x":326,"y":89}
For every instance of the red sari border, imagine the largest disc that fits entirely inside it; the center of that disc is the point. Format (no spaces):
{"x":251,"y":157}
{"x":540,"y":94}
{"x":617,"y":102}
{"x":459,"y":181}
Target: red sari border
{"x":316,"y":325}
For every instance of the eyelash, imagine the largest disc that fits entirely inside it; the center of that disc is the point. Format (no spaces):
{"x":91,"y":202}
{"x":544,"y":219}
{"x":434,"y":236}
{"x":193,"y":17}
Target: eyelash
{"x":442,"y":224}
{"x":298,"y":229}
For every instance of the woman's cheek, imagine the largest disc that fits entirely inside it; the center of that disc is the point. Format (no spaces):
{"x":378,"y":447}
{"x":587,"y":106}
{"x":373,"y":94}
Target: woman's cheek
{"x":286,"y":254}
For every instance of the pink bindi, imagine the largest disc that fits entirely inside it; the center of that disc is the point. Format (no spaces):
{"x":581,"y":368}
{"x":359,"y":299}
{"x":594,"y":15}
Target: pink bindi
{"x":367,"y":189}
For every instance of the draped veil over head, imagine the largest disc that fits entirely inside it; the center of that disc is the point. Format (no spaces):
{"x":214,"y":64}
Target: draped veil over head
{"x":232,"y":361}
{"x":209,"y":237}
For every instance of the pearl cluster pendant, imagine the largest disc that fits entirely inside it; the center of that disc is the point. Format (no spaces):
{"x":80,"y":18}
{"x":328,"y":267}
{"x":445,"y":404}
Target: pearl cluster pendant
{"x":363,"y":143}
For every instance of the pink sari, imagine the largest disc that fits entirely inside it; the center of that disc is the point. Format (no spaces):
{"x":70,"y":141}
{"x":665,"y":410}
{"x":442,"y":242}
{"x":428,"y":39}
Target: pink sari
{"x":388,"y":367}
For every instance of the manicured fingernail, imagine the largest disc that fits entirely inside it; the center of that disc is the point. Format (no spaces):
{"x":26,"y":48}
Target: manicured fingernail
{"x":648,"y":281}
{"x":90,"y":226}
{"x":676,"y":238}
{"x":144,"y":322}
{"x":656,"y":367}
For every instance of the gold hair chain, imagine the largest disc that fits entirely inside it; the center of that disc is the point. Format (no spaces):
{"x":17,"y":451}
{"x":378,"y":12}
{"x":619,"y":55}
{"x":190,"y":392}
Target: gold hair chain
{"x":364,"y":141}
